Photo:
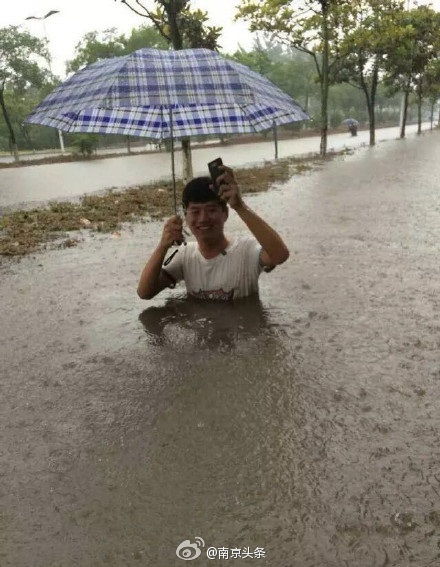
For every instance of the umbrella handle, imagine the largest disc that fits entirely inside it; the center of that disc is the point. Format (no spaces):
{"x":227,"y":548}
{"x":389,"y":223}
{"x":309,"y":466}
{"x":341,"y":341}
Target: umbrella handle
{"x":173,"y":172}
{"x":173,"y":166}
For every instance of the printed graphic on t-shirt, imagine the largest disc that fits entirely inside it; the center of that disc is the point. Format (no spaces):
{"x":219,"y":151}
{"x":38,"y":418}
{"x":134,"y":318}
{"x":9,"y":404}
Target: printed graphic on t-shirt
{"x":215,"y":294}
{"x":227,"y":276}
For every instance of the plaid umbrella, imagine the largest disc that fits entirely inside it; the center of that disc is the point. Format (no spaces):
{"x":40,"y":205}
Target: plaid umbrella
{"x":166,"y":95}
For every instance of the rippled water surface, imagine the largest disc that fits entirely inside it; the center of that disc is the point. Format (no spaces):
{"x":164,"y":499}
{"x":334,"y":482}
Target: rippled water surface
{"x":305,"y":423}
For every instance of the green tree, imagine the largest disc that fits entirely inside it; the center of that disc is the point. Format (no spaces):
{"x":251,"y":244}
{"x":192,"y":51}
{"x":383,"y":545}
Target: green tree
{"x":85,"y":144}
{"x":362,"y":51}
{"x":258,"y":59}
{"x":432,"y":86}
{"x":182,"y":28}
{"x":416,"y":43}
{"x":20,"y":104}
{"x":95,"y":46}
{"x":102,"y":45}
{"x":20,"y":57}
{"x":289,"y":69}
{"x":310,"y":26}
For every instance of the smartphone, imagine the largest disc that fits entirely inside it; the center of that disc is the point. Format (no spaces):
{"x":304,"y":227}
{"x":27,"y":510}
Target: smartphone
{"x":215,"y":171}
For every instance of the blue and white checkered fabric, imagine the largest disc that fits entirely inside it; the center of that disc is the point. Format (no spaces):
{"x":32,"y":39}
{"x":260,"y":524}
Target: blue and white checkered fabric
{"x":133,"y":95}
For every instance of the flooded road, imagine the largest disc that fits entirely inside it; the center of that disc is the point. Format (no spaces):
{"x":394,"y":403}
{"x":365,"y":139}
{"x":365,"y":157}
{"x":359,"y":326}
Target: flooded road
{"x":65,"y":180}
{"x":305,"y":424}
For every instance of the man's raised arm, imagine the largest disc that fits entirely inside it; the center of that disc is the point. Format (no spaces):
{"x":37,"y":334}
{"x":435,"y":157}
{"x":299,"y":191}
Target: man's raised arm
{"x":153,"y":279}
{"x":274,"y":250}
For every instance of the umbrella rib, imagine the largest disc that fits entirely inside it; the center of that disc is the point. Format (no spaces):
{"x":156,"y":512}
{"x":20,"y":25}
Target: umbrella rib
{"x":245,"y":114}
{"x":173,"y":167}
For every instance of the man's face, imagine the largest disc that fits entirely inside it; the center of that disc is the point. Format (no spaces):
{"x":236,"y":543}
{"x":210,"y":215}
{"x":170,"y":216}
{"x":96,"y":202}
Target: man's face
{"x":206,"y":220}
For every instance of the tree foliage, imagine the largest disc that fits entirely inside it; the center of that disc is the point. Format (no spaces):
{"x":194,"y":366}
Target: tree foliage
{"x":295,"y":73}
{"x":21,"y":57}
{"x":102,"y":45}
{"x":363,"y":47}
{"x":414,"y":47}
{"x":85,"y":144}
{"x":364,"y":35}
{"x":292,"y":71}
{"x":307,"y":25}
{"x":180,"y":26}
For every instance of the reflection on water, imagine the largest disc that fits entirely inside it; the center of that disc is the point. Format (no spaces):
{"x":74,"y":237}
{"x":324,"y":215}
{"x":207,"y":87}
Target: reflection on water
{"x":205,"y":324}
{"x":199,"y":437}
{"x":221,"y":458}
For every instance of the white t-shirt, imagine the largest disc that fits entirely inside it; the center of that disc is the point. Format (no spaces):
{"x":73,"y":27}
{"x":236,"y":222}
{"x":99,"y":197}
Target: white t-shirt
{"x":229,"y":275}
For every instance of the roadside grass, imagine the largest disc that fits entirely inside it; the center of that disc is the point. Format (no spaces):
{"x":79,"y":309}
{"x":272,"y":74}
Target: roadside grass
{"x":22,"y":232}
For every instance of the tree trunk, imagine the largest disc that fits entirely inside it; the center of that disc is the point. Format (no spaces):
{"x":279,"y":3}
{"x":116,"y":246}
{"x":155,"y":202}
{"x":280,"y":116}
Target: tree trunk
{"x":371,"y":104}
{"x":187,"y":161}
{"x":275,"y":138}
{"x":419,"y":113}
{"x":324,"y":80}
{"x":173,"y":12}
{"x":27,"y":137}
{"x":432,"y":113}
{"x":405,"y":112}
{"x":12,"y":139}
{"x":306,"y":102}
{"x":128,"y":145}
{"x":372,"y":119}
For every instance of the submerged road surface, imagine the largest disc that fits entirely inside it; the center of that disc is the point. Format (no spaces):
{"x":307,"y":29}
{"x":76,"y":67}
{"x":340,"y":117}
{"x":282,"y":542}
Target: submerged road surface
{"x":39,"y":183}
{"x":299,"y":430}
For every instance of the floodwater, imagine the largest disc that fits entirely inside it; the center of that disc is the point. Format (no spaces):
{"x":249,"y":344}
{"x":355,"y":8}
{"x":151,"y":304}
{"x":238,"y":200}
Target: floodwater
{"x":65,"y":180}
{"x":305,"y":423}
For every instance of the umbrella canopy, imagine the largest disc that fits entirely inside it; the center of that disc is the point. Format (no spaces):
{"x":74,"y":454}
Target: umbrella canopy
{"x":162,"y":94}
{"x":350,"y":122}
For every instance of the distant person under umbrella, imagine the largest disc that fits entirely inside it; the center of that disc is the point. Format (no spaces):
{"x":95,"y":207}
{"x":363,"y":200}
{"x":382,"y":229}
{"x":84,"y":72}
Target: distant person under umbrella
{"x":352,"y":124}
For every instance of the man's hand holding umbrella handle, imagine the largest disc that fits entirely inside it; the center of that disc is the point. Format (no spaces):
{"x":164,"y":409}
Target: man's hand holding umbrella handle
{"x":172,"y":232}
{"x":153,"y":279}
{"x":274,"y":250}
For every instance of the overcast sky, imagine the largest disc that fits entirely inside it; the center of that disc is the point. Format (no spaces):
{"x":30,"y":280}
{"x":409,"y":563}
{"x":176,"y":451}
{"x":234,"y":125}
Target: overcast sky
{"x":77,"y":17}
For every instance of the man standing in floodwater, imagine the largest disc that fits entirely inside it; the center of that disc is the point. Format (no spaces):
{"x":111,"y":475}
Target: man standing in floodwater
{"x":213,"y":267}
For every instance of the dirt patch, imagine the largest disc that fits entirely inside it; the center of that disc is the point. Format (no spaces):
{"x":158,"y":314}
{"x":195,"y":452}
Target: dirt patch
{"x":23,"y":232}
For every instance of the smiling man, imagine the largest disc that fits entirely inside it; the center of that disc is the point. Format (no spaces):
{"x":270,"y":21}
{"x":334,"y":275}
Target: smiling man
{"x":214,"y":267}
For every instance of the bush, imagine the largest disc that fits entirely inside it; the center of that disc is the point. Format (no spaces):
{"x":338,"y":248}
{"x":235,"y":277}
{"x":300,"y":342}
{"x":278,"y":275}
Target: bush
{"x":85,"y":144}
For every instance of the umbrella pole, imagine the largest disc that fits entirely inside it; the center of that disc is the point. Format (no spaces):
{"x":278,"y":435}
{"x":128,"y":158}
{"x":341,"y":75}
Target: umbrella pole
{"x":275,"y":138}
{"x":173,"y":167}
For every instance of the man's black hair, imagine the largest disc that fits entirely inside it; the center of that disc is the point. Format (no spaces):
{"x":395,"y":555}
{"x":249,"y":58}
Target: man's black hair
{"x":197,"y":191}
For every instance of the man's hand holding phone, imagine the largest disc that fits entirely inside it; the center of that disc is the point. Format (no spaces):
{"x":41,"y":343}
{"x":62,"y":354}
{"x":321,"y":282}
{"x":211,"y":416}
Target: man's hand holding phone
{"x":215,"y":171}
{"x":224,"y":183}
